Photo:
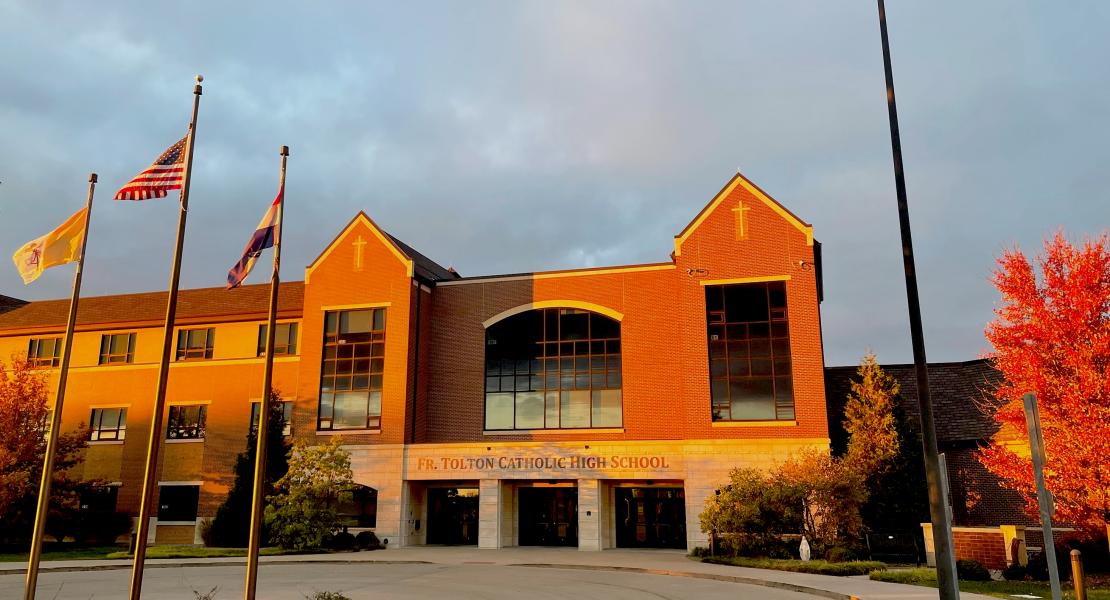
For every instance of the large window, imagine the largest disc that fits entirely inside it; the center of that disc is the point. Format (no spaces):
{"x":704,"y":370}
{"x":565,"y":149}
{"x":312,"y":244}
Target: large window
{"x":195,"y":344}
{"x":553,"y":368}
{"x":749,"y":352}
{"x":178,"y":503}
{"x":351,"y":378}
{"x":44,"y":352}
{"x":187,"y":422}
{"x":285,"y":339}
{"x":117,"y":348}
{"x":107,"y":424}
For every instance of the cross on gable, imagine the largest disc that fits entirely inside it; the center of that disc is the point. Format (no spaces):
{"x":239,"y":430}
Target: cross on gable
{"x":359,"y":245}
{"x":741,"y":213}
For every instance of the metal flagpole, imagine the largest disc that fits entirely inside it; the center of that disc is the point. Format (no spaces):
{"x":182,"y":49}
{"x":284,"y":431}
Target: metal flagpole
{"x":1044,"y":496}
{"x":149,"y":483}
{"x":55,"y":424}
{"x":264,"y":408}
{"x":946,"y":574}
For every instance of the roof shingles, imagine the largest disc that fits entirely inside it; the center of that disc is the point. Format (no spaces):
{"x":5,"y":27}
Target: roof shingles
{"x":215,"y":303}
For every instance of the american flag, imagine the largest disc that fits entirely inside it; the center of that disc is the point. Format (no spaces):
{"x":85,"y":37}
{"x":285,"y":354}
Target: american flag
{"x":159,"y":178}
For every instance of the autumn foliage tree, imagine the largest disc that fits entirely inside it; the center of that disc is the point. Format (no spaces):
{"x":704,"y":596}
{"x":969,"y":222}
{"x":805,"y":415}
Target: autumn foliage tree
{"x":24,"y":418}
{"x":1051,"y":336}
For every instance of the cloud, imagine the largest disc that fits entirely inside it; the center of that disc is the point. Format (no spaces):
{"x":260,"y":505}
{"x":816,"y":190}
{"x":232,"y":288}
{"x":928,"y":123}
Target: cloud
{"x":576,"y":134}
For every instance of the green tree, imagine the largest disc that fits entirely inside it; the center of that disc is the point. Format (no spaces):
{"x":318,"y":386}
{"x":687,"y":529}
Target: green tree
{"x":869,"y":421}
{"x":24,"y":419}
{"x":230,"y":528}
{"x":302,"y":514}
{"x":885,"y":448}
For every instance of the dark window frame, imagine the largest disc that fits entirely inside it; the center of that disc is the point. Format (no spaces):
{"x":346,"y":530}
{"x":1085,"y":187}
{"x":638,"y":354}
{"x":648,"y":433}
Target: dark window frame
{"x":561,"y":365}
{"x":186,"y":350}
{"x":284,"y":345}
{"x":187,"y":422}
{"x":115,"y":432}
{"x":99,"y":499}
{"x":35,"y":347}
{"x":748,"y":344}
{"x":352,"y":364}
{"x":107,"y":357}
{"x":184,"y":501}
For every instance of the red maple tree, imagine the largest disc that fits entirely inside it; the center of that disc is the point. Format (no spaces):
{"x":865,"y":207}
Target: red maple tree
{"x":1051,"y":336}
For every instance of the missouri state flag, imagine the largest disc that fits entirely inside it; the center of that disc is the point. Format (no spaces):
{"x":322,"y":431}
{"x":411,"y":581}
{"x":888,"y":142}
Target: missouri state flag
{"x":268,"y":231}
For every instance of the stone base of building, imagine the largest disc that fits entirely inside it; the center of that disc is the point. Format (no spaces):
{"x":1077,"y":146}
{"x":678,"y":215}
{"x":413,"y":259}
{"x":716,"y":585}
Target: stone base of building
{"x":589,"y":495}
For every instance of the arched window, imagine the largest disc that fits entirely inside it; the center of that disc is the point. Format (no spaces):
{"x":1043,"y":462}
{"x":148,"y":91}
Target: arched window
{"x":553,"y":368}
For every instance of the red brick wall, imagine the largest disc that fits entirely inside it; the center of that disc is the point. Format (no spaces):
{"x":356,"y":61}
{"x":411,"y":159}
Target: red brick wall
{"x":664,"y":347}
{"x":987,"y":547}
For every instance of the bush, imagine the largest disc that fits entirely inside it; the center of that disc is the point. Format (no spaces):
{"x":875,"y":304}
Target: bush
{"x":839,"y":554}
{"x":95,"y":528}
{"x":1038,"y":564}
{"x":920,"y":576}
{"x":342,"y":541}
{"x":972,"y":570}
{"x":817,"y":567}
{"x":756,"y":546}
{"x":326,"y":596}
{"x":699,"y":552}
{"x":366,"y":540}
{"x":1015,"y":572}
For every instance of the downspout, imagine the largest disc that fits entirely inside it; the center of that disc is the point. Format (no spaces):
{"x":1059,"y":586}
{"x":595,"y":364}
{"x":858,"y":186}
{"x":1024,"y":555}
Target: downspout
{"x":416,"y":364}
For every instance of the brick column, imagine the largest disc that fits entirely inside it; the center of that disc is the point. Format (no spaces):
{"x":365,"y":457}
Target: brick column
{"x":490,"y":503}
{"x":589,"y":514}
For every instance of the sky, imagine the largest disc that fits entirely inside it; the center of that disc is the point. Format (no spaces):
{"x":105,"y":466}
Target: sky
{"x":509,"y":136}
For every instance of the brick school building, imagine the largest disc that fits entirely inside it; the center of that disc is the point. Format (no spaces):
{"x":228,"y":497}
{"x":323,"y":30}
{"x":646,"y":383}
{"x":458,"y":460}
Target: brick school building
{"x":595,"y":408}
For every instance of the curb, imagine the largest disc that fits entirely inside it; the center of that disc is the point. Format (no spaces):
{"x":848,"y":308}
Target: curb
{"x":802,"y":589}
{"x":224,"y":563}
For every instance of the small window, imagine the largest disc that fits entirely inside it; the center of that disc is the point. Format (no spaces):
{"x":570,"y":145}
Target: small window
{"x":285,"y":339}
{"x":99,"y":499}
{"x":186,"y":422}
{"x":195,"y":344}
{"x":107,"y":424}
{"x":178,"y":503}
{"x":286,"y":416}
{"x":117,"y":348}
{"x":44,"y":352}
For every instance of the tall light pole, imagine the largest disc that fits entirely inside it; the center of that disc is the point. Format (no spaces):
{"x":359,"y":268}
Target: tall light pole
{"x":946,"y":575}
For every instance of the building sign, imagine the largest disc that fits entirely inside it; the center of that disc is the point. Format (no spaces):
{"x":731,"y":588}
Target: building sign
{"x":541,"y":463}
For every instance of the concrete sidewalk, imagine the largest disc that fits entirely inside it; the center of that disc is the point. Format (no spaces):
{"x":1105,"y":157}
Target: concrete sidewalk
{"x":659,"y":562}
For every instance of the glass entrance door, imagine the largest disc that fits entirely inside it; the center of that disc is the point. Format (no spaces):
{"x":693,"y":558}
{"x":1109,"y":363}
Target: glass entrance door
{"x":548,"y":516}
{"x":453,"y":516}
{"x":651,"y":518}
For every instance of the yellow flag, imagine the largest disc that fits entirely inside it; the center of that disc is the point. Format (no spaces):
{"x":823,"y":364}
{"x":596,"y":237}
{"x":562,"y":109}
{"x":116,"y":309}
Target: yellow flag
{"x":61,"y":246}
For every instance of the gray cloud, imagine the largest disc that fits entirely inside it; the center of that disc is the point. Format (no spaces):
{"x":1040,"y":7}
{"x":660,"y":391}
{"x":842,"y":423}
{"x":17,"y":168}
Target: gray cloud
{"x":574,"y":134}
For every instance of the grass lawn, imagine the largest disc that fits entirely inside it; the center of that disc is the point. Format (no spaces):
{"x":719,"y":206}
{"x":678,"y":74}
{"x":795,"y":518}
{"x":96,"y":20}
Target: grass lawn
{"x":205,"y":552}
{"x":818,"y":567}
{"x":53,"y":552}
{"x":998,"y":589}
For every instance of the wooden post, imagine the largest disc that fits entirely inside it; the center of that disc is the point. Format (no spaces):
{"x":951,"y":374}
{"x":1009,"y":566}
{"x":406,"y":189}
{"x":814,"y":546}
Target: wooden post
{"x":1077,"y":576}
